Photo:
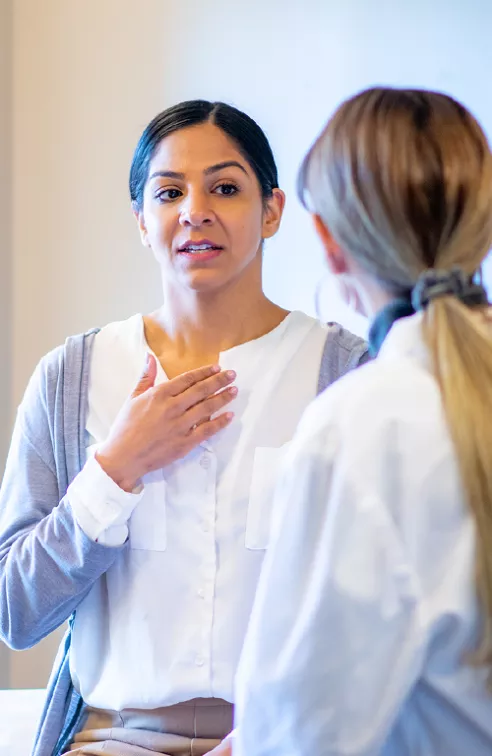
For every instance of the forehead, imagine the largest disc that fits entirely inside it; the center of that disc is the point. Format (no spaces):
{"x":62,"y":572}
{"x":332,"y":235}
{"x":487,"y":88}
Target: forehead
{"x":194,"y":148}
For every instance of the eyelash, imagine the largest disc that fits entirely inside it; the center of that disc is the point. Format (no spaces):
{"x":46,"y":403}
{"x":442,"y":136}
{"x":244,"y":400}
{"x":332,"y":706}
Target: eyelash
{"x":229,"y":184}
{"x":160,"y":196}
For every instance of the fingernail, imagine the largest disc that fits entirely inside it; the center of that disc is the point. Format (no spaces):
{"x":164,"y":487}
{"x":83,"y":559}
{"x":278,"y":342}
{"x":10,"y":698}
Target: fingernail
{"x":229,"y":415}
{"x":231,"y":374}
{"x":233,"y":391}
{"x":216,"y":369}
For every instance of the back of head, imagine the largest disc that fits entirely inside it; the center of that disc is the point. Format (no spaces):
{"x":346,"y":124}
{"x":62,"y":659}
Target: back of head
{"x":403,"y":181}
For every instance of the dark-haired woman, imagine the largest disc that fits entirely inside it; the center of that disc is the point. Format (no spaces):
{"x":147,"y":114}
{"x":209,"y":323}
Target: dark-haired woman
{"x":137,"y":494}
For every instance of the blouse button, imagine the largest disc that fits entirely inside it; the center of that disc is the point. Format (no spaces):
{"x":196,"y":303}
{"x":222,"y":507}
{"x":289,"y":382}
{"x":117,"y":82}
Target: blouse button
{"x":205,"y":462}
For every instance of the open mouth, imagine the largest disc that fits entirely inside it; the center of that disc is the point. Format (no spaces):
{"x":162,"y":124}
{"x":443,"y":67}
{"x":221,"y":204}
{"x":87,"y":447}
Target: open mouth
{"x":199,"y":249}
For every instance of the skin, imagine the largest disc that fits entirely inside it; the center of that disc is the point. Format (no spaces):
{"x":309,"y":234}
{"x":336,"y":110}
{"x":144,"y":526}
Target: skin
{"x":224,"y":749}
{"x":211,"y":306}
{"x":208,"y":305}
{"x":199,"y":187}
{"x":357,"y":287}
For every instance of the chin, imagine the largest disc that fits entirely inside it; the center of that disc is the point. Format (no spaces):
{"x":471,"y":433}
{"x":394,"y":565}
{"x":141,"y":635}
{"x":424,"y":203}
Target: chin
{"x":206,"y":281}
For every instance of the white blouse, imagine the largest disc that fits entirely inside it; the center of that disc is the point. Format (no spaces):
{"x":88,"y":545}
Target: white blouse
{"x":166,"y":623}
{"x":367,"y":605}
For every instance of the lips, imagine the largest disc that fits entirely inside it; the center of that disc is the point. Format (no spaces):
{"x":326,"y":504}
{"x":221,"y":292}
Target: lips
{"x":199,"y":247}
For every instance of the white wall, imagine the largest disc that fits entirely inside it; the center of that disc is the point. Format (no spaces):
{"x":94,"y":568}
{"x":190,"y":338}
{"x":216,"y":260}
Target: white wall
{"x":5,"y":215}
{"x":88,"y":77}
{"x":5,"y":248}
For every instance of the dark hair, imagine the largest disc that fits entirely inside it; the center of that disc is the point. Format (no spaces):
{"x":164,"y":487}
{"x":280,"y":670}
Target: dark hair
{"x":244,"y":132}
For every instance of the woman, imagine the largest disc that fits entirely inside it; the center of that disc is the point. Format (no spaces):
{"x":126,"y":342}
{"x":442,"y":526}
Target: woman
{"x":372,"y":628}
{"x":128,"y":504}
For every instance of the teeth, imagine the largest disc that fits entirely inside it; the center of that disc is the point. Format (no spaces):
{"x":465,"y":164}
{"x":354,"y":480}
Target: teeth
{"x":198,"y":247}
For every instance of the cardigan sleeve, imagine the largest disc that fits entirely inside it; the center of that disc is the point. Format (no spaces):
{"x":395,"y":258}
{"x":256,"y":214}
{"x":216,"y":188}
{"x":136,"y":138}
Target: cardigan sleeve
{"x":47,"y":562}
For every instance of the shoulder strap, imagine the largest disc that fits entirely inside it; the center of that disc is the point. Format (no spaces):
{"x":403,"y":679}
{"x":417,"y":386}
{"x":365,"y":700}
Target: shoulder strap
{"x":343,"y":351}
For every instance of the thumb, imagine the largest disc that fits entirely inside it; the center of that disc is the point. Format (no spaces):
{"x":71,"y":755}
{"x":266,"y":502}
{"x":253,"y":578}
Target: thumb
{"x":147,"y":379}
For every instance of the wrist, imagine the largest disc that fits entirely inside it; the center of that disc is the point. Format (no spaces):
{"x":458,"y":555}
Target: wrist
{"x":123,"y":479}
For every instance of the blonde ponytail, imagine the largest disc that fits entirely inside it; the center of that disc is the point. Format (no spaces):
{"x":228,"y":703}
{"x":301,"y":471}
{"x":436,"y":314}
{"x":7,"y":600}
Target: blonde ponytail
{"x":402,"y":179}
{"x":460,"y":345}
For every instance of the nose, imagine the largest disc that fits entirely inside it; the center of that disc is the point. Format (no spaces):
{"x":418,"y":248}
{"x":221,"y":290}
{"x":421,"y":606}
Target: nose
{"x":196,"y":211}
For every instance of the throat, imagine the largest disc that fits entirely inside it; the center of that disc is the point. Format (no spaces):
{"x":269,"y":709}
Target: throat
{"x":193,"y":345}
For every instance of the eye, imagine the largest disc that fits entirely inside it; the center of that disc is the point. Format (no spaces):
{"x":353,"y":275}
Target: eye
{"x":168,"y":195}
{"x":227,"y":189}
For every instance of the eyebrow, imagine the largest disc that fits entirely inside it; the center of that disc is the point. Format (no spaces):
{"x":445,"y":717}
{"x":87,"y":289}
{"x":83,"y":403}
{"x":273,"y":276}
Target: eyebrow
{"x":208,"y":171}
{"x":227,"y":164}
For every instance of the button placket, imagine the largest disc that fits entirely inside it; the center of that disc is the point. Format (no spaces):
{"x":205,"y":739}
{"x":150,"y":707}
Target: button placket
{"x":206,"y":587}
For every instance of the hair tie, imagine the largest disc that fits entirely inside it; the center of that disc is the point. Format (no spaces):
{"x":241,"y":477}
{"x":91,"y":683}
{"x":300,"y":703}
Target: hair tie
{"x":433,"y":283}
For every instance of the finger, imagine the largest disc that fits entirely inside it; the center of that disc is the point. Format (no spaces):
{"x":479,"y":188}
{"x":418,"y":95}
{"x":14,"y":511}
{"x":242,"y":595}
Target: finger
{"x":181,"y":383}
{"x":204,"y":390}
{"x":205,"y":420}
{"x":147,"y":379}
{"x":203,"y":411}
{"x":209,"y":429}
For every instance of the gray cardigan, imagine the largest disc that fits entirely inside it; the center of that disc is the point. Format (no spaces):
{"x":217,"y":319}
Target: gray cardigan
{"x":47,"y":563}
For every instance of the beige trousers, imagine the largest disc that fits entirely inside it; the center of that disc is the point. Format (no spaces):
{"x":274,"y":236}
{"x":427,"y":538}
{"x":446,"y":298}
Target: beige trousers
{"x":192,"y":728}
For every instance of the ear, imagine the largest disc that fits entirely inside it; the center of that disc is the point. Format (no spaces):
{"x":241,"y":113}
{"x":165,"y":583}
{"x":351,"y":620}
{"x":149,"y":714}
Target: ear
{"x":272,"y":215}
{"x":139,"y":217}
{"x":339,"y":265}
{"x":334,"y":254}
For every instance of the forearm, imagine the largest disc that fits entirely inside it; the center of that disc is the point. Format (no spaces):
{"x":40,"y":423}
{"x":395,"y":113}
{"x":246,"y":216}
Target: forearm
{"x":44,"y":574}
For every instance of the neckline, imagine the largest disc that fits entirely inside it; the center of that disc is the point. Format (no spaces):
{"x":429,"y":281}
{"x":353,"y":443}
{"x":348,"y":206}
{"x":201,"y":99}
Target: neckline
{"x":276,"y":332}
{"x":279,"y":329}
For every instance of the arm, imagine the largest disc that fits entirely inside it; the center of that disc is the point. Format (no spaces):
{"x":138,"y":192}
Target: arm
{"x":334,"y":643}
{"x":49,"y":550}
{"x":47,"y":562}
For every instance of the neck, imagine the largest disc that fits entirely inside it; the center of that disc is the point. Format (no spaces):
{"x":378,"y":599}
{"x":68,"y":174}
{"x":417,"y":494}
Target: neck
{"x":371,"y":297}
{"x":203,"y":324}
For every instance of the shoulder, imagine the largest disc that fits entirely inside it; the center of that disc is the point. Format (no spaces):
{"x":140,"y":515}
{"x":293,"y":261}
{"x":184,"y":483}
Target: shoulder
{"x":55,"y":387}
{"x":73,"y":356}
{"x":297,"y":319}
{"x":70,"y":355}
{"x":343,"y":351}
{"x":373,"y":401}
{"x":120,"y":330}
{"x":338,"y":336}
{"x":117,"y":347}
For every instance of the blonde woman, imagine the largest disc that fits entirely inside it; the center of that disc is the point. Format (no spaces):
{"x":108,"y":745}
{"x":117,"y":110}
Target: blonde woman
{"x":372,"y":627}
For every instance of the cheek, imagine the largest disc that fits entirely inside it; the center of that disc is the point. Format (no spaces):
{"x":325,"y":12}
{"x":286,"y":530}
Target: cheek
{"x":246,"y":228}
{"x":158,"y":224}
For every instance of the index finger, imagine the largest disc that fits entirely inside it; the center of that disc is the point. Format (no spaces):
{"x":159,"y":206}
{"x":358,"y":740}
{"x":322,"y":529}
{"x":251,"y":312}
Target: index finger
{"x":203,"y":391}
{"x":181,"y":383}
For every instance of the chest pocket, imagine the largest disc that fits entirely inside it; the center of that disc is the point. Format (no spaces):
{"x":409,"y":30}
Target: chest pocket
{"x":266,"y":467}
{"x":147,"y":526}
